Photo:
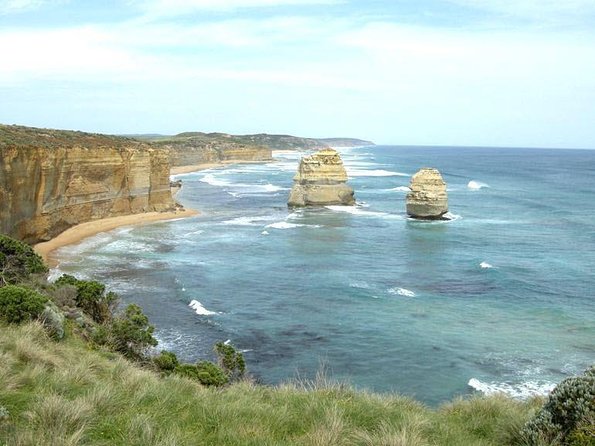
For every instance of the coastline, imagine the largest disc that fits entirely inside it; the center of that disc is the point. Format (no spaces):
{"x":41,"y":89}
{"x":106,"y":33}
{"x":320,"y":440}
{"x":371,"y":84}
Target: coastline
{"x":198,"y":167}
{"x":83,"y":230}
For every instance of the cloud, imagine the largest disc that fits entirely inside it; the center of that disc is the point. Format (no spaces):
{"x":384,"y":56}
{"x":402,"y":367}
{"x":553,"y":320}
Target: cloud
{"x":180,"y":7}
{"x":19,"y":6}
{"x":549,"y":10}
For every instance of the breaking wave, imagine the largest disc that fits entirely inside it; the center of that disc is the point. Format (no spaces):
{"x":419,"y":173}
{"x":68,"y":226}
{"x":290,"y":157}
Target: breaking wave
{"x":401,"y":292}
{"x":521,"y":390}
{"x":476,"y":185}
{"x":200,"y":309}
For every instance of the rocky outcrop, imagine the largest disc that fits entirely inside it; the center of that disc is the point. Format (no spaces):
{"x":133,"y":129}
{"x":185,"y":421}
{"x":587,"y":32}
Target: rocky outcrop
{"x":51,"y":180}
{"x":427,"y":198}
{"x":321,"y":180}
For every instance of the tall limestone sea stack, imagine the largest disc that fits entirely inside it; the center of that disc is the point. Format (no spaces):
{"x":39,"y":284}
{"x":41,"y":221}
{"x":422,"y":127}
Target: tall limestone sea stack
{"x":428,"y":199}
{"x":321,"y":180}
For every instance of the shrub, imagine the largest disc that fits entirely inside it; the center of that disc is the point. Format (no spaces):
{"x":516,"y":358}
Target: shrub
{"x":18,"y":261}
{"x":563,"y":418}
{"x":131,"y":334}
{"x":19,"y":304}
{"x":205,"y":372}
{"x":166,"y":361}
{"x":211,"y":374}
{"x":230,"y":360}
{"x":91,"y":297}
{"x":53,"y":320}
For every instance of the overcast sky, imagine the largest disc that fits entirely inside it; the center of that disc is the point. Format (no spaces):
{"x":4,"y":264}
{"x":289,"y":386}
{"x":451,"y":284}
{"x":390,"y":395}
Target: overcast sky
{"x":436,"y":72}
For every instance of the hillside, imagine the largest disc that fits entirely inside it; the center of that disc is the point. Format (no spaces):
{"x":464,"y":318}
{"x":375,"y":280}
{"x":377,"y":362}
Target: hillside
{"x":273,"y":142}
{"x":65,"y":393}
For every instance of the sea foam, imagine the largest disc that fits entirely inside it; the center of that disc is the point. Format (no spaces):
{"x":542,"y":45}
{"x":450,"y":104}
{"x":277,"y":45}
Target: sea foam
{"x":356,"y":210}
{"x":401,"y":292}
{"x":200,"y":309}
{"x":374,"y":173}
{"x":476,"y":185}
{"x":485,"y":265}
{"x":521,"y":390}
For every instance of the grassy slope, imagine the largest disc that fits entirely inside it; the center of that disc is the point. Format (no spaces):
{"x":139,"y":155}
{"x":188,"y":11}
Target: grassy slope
{"x":63,"y":393}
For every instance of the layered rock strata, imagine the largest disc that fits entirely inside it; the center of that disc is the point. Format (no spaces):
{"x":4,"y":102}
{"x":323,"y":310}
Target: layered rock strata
{"x":51,"y":180}
{"x":321,"y":180}
{"x":192,"y":151}
{"x":427,"y":199}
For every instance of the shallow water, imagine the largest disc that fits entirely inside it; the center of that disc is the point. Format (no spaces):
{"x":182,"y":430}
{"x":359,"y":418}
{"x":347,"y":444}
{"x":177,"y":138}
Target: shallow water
{"x":502,"y":294}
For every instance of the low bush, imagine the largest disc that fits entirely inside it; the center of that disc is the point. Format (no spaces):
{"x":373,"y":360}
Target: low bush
{"x":166,"y":361}
{"x":91,"y":297}
{"x":18,"y":261}
{"x":19,"y":304}
{"x":205,"y":372}
{"x":564,"y":418}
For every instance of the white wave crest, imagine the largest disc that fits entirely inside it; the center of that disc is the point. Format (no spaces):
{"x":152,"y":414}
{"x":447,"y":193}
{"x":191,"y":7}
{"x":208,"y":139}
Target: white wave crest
{"x":200,"y":309}
{"x":452,"y":217}
{"x":485,"y":265}
{"x":521,"y":391}
{"x":248,"y":221}
{"x":401,"y":292}
{"x":401,"y":189}
{"x":374,"y":173}
{"x":287,"y":225}
{"x":356,"y":210}
{"x":360,"y":284}
{"x":476,"y":185}
{"x":211,"y":179}
{"x":265,"y":232}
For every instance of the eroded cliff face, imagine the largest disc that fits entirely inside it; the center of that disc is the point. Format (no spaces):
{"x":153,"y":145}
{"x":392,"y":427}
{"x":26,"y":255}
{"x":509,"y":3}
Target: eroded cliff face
{"x":196,"y":151}
{"x":52,"y":180}
{"x":321,"y":180}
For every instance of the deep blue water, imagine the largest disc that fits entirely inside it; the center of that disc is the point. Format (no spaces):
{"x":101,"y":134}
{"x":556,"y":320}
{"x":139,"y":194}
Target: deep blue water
{"x":385,"y":302}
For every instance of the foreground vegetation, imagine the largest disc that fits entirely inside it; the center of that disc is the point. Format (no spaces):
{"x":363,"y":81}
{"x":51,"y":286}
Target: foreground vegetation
{"x":75,"y":371}
{"x":67,"y":393}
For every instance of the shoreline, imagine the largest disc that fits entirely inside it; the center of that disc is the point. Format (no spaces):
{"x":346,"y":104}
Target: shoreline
{"x":90,"y":228}
{"x":179,"y":170}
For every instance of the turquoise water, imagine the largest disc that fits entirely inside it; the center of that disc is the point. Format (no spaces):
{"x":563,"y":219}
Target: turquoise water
{"x":501,"y":297}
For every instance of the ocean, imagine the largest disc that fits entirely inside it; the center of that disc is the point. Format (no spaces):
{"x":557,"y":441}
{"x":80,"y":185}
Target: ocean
{"x":500,"y":298}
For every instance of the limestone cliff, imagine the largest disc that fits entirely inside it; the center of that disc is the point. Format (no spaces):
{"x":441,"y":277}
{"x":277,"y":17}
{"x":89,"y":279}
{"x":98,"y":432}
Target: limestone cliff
{"x":321,"y":180}
{"x":51,"y":180}
{"x":428,"y":198}
{"x":199,"y":148}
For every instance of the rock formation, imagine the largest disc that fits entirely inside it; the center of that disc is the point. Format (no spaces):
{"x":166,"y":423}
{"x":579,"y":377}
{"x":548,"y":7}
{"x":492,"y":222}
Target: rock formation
{"x":51,"y":180}
{"x":321,"y":180}
{"x":427,"y":199}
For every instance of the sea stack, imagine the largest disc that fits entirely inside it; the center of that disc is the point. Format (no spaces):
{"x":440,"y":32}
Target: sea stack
{"x":427,"y":199}
{"x":321,"y":180}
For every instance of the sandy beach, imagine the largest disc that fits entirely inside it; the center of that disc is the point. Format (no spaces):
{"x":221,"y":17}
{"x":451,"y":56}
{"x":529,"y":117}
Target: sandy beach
{"x":90,"y":228}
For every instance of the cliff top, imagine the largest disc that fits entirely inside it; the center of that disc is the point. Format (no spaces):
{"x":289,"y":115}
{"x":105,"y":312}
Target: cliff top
{"x":21,"y":136}
{"x":273,"y":142}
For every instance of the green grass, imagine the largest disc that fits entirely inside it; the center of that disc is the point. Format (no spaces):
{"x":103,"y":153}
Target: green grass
{"x":65,"y":393}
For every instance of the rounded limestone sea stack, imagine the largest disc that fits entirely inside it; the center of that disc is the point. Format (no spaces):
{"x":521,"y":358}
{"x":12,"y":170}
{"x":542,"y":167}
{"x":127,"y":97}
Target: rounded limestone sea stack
{"x":321,"y":180}
{"x":427,"y":199}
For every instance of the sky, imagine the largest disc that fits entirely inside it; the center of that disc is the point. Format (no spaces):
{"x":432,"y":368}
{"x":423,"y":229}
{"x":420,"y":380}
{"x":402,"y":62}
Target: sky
{"x":507,"y":73}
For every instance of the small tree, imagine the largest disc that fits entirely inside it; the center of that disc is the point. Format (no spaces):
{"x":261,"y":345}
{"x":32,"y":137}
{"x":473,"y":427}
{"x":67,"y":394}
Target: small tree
{"x":131,"y":334}
{"x":230,"y":360}
{"x":19,"y":304}
{"x":18,"y":261}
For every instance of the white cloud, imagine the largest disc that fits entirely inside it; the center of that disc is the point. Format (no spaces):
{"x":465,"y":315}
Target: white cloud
{"x":180,"y":7}
{"x":553,"y":10}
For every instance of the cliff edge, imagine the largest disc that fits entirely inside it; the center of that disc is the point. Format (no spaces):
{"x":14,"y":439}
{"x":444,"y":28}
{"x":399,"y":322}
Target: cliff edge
{"x":51,"y":180}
